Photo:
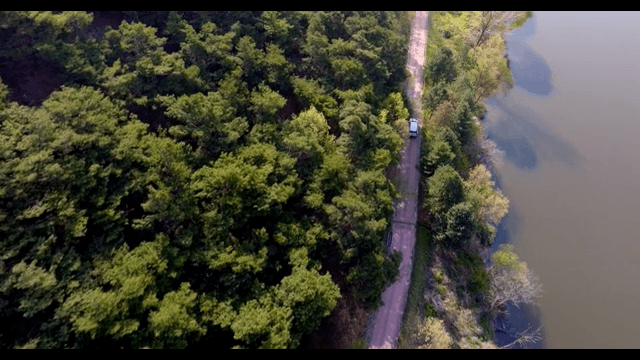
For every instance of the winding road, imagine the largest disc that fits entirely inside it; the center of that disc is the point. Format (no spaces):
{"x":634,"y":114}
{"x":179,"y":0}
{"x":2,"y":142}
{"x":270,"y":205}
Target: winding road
{"x":388,"y":319}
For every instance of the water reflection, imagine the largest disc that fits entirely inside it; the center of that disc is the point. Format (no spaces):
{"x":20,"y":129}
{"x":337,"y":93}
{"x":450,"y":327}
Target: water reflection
{"x":530,"y":70}
{"x":511,"y":224}
{"x":521,"y":318}
{"x":520,"y":131}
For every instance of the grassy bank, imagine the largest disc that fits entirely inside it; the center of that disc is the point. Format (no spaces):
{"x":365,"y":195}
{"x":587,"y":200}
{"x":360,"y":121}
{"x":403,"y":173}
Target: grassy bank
{"x":415,"y":300}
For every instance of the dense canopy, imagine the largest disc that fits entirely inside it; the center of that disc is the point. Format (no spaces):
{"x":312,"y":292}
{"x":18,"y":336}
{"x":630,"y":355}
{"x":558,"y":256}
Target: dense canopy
{"x":192,"y":178}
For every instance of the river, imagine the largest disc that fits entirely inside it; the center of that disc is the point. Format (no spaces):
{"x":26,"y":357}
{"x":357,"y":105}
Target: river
{"x":570,"y":130}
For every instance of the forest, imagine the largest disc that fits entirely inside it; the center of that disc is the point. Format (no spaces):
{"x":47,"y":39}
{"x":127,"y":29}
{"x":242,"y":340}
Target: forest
{"x":190,"y":179}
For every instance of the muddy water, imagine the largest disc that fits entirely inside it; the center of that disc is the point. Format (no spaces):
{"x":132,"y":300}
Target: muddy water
{"x":570,"y":129}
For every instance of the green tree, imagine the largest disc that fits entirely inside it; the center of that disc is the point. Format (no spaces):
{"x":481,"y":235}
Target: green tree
{"x":309,"y":93}
{"x":306,"y":138}
{"x":443,"y":114}
{"x":489,"y":71}
{"x":446,"y":189}
{"x":311,"y":297}
{"x":442,"y":66}
{"x":460,"y":225}
{"x":436,"y":95}
{"x":486,"y":24}
{"x":489,"y":204}
{"x":175,"y":318}
{"x":511,"y":280}
{"x":440,"y":154}
{"x":208,"y":122}
{"x":463,"y":122}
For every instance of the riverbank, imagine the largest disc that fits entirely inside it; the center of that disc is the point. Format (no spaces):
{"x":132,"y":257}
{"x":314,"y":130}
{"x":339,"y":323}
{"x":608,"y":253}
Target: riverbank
{"x":452,"y":292}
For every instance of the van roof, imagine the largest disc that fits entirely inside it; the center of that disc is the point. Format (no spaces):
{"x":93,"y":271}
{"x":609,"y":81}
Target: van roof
{"x":413,"y":126}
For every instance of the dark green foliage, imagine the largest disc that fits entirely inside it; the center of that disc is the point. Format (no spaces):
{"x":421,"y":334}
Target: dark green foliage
{"x":459,"y":225}
{"x":446,"y":189}
{"x":440,"y":154}
{"x":462,"y":120}
{"x":442,"y":66}
{"x":436,"y":95}
{"x":201,"y":179}
{"x":449,"y":136}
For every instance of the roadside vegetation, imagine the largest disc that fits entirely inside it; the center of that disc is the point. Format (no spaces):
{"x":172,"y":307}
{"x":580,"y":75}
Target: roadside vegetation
{"x":197,"y":179}
{"x":460,"y":291}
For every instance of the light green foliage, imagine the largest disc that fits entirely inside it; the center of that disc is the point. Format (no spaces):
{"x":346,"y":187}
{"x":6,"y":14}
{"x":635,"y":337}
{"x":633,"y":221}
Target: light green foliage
{"x":362,"y":132}
{"x":265,"y":103}
{"x":520,"y":21}
{"x":275,"y":27}
{"x":206,"y":49}
{"x":484,"y":25}
{"x":139,"y":68}
{"x":311,"y":296}
{"x":329,"y":180}
{"x":506,"y":257}
{"x":306,"y":138}
{"x":26,"y":32}
{"x":175,"y":318}
{"x":217,"y":312}
{"x":36,"y":282}
{"x":434,"y":335}
{"x":132,"y":276}
{"x":511,"y":280}
{"x":489,"y":71}
{"x":489,"y":203}
{"x":263,"y":319}
{"x":58,"y":165}
{"x":396,"y":114}
{"x":394,"y":104}
{"x":252,"y":182}
{"x":443,"y":115}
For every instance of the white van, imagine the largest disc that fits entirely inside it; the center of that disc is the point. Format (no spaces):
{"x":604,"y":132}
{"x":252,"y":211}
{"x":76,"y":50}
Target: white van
{"x":413,"y":127}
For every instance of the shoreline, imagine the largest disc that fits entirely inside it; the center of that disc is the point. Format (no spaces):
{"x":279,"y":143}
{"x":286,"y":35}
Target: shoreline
{"x":445,"y":272}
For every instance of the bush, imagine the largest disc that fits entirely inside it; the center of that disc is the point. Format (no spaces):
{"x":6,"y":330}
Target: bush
{"x":434,"y":335}
{"x":430,"y":310}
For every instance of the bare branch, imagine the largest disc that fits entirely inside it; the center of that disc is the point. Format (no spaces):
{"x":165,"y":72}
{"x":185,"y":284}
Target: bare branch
{"x":517,"y":286}
{"x":491,"y":23}
{"x":525,"y":337}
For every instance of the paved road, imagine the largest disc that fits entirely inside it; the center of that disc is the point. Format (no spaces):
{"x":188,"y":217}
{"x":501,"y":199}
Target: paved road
{"x":388,"y":319}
